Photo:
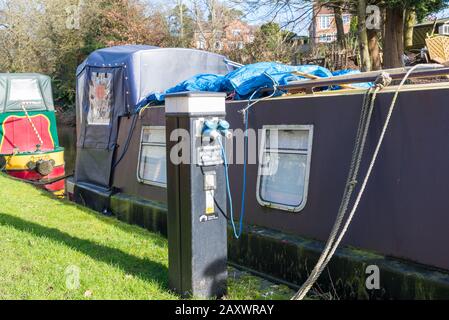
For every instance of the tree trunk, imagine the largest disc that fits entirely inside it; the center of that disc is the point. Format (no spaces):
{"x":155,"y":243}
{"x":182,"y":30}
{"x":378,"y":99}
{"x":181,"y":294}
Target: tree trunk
{"x":410,"y":20}
{"x":394,"y":38}
{"x":365,"y":61}
{"x":374,"y":50}
{"x":338,"y":14}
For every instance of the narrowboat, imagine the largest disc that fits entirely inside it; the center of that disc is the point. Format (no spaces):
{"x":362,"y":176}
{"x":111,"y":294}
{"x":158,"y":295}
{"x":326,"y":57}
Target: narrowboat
{"x":29,"y":145}
{"x":400,"y":225}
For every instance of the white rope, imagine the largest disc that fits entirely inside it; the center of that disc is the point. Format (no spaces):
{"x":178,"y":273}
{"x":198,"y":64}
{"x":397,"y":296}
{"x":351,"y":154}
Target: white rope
{"x":327,"y":255}
{"x":32,"y":125}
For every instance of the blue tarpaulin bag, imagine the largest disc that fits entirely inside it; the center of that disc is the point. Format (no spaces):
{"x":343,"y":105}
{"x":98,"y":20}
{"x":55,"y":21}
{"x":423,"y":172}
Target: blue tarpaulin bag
{"x":247,"y":79}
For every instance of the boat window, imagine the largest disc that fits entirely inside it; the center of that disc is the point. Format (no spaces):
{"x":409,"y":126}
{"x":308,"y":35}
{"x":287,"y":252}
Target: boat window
{"x":25,"y":90}
{"x":284,"y":166}
{"x":152,"y":168}
{"x":100,"y":98}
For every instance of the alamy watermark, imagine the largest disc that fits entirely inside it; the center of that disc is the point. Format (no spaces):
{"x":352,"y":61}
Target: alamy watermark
{"x":72,"y":277}
{"x":240,"y":148}
{"x":73,"y":21}
{"x":373,"y":277}
{"x":373,"y":17}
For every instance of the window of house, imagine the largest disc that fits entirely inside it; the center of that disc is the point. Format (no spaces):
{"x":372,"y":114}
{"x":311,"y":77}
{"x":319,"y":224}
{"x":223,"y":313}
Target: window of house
{"x":218,"y":45}
{"x":346,"y":19}
{"x":284,"y":167}
{"x":326,"y":38}
{"x":152,"y":168}
{"x":236,"y":32}
{"x":201,"y":43}
{"x":325,"y":21}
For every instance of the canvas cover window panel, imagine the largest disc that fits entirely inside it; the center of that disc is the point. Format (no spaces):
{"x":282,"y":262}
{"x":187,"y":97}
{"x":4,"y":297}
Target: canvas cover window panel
{"x":100,"y":98}
{"x":25,"y":90}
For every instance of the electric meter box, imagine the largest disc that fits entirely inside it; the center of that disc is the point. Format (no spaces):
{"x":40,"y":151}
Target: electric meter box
{"x":196,"y":196}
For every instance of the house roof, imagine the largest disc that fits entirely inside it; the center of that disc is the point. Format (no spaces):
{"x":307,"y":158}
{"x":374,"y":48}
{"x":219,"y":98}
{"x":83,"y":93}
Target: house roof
{"x":430,"y":23}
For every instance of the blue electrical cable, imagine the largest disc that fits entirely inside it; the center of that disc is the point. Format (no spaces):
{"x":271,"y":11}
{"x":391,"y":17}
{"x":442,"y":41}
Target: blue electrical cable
{"x":245,"y":160}
{"x":228,"y":190}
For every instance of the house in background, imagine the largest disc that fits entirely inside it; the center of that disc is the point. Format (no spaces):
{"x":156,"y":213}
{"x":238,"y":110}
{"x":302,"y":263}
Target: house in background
{"x":323,"y":29}
{"x":235,"y":35}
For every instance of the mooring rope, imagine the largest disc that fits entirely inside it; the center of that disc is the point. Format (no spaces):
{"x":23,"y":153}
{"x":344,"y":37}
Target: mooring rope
{"x":365,"y":119}
{"x":328,"y":254}
{"x":41,"y":142}
{"x":7,"y":162}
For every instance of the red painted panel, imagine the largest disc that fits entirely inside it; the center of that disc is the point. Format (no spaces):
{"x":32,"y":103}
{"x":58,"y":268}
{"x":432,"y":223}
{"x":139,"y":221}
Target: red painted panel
{"x":18,"y":133}
{"x":33,"y":175}
{"x":57,"y":186}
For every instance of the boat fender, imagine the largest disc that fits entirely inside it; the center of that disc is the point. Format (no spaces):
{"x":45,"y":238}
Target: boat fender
{"x":45,"y":167}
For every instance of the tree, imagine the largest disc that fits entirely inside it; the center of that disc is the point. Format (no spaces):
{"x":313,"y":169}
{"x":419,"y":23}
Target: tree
{"x":54,"y":36}
{"x":271,"y":43}
{"x":396,"y":27}
{"x":410,"y":21}
{"x":124,"y":22}
{"x":182,"y":25}
{"x":363,"y":36}
{"x":374,"y":49}
{"x":338,"y":13}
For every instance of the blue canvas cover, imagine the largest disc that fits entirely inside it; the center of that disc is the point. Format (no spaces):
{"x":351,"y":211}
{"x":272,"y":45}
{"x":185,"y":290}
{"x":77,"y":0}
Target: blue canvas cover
{"x":110,"y":83}
{"x":247,"y":80}
{"x":119,"y":57}
{"x":149,"y":69}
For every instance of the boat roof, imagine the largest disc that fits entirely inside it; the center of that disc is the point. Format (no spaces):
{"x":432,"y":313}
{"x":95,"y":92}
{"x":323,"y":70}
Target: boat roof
{"x":33,"y":89}
{"x":113,"y":56}
{"x":148,"y":69}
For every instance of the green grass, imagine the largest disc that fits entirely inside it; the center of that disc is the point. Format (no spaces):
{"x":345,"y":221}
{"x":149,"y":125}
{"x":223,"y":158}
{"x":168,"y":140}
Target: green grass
{"x":43,"y":241}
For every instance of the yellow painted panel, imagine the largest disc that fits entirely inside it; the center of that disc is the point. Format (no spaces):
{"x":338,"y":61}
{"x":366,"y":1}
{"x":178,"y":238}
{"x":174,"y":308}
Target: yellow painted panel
{"x":20,"y":161}
{"x":60,"y":193}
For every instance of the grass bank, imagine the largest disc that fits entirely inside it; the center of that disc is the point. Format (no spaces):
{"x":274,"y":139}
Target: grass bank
{"x":46,"y":243}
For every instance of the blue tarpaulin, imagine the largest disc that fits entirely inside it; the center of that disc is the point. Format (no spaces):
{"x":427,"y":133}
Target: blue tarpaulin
{"x":247,"y":80}
{"x":337,"y":73}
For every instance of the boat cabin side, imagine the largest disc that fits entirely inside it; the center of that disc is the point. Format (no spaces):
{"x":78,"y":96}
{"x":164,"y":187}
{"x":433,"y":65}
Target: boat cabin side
{"x":316,"y":135}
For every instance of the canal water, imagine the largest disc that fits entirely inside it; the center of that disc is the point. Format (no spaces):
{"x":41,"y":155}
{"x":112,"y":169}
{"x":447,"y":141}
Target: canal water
{"x":67,"y":139}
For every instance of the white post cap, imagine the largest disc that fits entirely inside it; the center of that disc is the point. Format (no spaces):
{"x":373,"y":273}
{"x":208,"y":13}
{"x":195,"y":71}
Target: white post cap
{"x":195,"y":102}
